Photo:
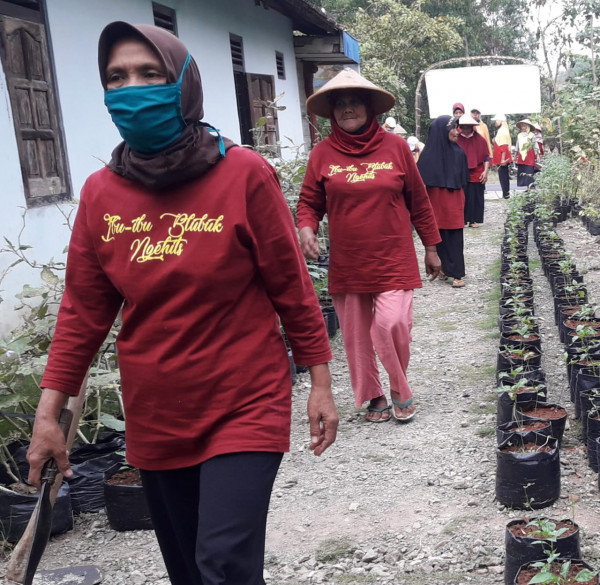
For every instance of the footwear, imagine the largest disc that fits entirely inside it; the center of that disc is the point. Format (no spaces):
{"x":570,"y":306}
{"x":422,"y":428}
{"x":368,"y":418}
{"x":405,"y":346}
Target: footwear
{"x":474,"y":225}
{"x":380,"y":411}
{"x":442,"y":276}
{"x":507,"y":196}
{"x":458,"y":283}
{"x":402,"y":406}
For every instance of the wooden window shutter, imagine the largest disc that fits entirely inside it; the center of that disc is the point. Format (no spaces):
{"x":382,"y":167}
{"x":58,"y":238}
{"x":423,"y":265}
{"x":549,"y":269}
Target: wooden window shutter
{"x":25,"y":59}
{"x":236,"y":46}
{"x":164,"y":17}
{"x":261,"y":90}
{"x":280,"y":64}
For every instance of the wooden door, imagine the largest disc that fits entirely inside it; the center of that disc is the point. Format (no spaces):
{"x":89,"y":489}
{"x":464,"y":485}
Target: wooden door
{"x":24,"y":53}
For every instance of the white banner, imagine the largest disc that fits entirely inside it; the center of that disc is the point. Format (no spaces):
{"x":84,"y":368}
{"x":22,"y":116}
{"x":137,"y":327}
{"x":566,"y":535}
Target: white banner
{"x":493,"y":89}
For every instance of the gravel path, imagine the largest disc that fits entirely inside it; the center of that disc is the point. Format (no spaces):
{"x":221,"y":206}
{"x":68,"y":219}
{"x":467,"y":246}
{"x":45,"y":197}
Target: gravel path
{"x":404,"y":504}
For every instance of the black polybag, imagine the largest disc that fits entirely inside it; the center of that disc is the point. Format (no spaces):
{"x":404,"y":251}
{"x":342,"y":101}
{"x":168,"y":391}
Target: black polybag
{"x":526,"y":549}
{"x":526,"y":480}
{"x":89,"y":463}
{"x":16,"y":510}
{"x":126,"y":505}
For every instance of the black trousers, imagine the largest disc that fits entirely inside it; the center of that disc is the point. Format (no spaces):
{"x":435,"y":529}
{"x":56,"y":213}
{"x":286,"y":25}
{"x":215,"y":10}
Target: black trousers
{"x":210,"y":519}
{"x":504,"y":178}
{"x":474,"y":202}
{"x":525,"y":175}
{"x":451,"y":252}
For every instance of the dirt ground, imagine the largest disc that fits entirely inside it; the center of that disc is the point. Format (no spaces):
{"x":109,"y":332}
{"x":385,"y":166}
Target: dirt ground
{"x":391,"y":503}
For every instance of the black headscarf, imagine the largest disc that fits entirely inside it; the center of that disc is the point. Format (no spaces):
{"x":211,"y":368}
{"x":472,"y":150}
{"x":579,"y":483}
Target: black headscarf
{"x":198,"y":148}
{"x":443,"y":163}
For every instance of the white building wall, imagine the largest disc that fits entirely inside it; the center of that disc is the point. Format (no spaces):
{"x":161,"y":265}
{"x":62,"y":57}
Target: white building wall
{"x":74,"y":29}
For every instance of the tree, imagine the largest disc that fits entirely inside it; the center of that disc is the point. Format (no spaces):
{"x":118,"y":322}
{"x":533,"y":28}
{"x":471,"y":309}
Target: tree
{"x":576,"y":110}
{"x":488,"y":27}
{"x":397,"y":42}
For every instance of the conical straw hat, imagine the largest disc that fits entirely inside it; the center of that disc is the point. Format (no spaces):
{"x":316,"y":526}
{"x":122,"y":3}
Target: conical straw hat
{"x":319,"y":102}
{"x":525,"y":121}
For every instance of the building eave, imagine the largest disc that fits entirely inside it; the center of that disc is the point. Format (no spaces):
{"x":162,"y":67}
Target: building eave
{"x":305,"y":16}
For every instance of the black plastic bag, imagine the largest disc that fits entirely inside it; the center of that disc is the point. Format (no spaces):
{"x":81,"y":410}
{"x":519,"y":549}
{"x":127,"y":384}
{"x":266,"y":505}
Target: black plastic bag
{"x":126,"y":505}
{"x":530,"y":479}
{"x":89,"y":463}
{"x":521,"y":550}
{"x":503,"y":431}
{"x":16,"y":510}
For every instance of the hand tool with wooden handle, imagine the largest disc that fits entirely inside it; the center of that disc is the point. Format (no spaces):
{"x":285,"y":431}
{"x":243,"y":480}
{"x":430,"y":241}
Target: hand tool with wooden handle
{"x":28,"y":551}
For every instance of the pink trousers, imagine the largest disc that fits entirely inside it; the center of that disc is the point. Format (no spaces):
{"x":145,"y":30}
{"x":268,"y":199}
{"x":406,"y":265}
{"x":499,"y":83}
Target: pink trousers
{"x":376,"y":322}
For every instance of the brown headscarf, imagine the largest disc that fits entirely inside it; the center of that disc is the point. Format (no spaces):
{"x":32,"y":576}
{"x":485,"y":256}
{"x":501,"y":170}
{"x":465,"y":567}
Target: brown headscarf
{"x":197,"y":149}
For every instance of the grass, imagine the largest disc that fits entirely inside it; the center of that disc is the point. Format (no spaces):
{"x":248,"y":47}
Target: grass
{"x":474,"y":374}
{"x":334,"y":549}
{"x":354,"y":579}
{"x":493,"y":270}
{"x":441,"y":578}
{"x":485,"y":432}
{"x":486,"y":409}
{"x":455,"y":524}
{"x":432,"y":579}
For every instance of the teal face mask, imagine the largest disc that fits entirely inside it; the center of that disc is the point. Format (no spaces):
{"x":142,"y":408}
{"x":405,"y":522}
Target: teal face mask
{"x":148,"y":117}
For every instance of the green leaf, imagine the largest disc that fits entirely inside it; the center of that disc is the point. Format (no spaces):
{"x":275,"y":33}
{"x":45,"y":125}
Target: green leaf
{"x":111,"y":422}
{"x":543,"y":578}
{"x":9,"y":401}
{"x":585,"y":575}
{"x":49,"y":277}
{"x":29,"y":292}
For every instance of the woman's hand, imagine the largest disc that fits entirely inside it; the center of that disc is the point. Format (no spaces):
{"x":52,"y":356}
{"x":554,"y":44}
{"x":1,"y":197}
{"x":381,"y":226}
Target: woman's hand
{"x":483,"y":177}
{"x":433,"y":265}
{"x":309,"y":243}
{"x":322,"y":414}
{"x":48,"y":440}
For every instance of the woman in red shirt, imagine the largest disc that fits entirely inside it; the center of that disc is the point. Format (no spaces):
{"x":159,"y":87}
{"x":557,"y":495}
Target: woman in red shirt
{"x":478,"y":159}
{"x":191,"y":237}
{"x":527,"y":154}
{"x":443,"y":167}
{"x":502,"y":157}
{"x":367,"y":182}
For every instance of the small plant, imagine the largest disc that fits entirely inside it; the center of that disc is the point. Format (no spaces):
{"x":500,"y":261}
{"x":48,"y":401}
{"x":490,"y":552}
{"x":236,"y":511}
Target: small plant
{"x":586,"y":312}
{"x":575,"y":289}
{"x":525,"y":327}
{"x":545,"y":529}
{"x":522,"y":447}
{"x":522,"y":354}
{"x":521,"y":385}
{"x":554,"y":571}
{"x":567,"y":266}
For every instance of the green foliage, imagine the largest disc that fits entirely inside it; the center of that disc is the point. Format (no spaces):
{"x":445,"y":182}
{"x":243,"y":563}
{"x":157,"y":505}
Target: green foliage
{"x":579,"y":113}
{"x":398,"y":41}
{"x":487,"y":27}
{"x":552,"y":570}
{"x":587,"y":176}
{"x":545,"y":529}
{"x":23,"y":357}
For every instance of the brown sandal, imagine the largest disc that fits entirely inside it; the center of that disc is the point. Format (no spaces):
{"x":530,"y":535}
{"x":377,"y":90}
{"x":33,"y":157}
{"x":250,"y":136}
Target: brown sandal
{"x":458,"y":283}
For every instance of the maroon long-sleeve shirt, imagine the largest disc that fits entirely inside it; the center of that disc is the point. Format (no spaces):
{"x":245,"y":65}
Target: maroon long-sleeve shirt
{"x":371,"y":201}
{"x":202,"y":273}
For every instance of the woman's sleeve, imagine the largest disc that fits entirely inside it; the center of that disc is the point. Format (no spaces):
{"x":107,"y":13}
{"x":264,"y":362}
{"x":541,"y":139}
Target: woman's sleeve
{"x":284,"y":272}
{"x":312,"y":204}
{"x":89,"y":306}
